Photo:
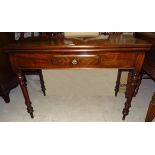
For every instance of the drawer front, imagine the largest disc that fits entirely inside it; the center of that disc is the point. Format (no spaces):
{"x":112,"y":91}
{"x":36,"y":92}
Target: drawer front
{"x":75,"y":60}
{"x":56,"y":61}
{"x":104,"y":60}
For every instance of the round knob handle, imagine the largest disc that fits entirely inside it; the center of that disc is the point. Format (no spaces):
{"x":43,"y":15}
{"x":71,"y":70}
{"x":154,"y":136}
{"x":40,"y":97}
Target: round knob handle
{"x":74,"y":62}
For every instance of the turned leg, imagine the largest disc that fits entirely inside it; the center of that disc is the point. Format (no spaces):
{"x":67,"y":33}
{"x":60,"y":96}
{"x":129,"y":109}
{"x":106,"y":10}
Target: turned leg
{"x":138,"y":84}
{"x":131,"y":86}
{"x":25,"y":93}
{"x":118,"y":81}
{"x":43,"y":88}
{"x":151,"y":110}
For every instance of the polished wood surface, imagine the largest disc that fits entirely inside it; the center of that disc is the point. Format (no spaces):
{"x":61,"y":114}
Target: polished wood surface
{"x":75,"y":44}
{"x":87,"y":53}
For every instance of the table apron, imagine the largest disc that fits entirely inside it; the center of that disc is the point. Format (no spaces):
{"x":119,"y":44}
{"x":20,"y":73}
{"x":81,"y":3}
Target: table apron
{"x":68,"y":60}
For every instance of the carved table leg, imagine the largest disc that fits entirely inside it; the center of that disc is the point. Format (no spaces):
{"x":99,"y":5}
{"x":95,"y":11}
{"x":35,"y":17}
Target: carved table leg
{"x":25,"y":93}
{"x":140,"y":77}
{"x":118,"y":81}
{"x":42,"y":83}
{"x":131,"y":86}
{"x":151,"y":110}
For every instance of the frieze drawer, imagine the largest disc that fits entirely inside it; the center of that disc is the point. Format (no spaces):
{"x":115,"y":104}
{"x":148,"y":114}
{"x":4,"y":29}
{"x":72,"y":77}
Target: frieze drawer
{"x":57,"y":61}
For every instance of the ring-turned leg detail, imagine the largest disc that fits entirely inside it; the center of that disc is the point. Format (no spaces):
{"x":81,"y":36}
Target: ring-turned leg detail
{"x":25,"y":93}
{"x":131,"y":86}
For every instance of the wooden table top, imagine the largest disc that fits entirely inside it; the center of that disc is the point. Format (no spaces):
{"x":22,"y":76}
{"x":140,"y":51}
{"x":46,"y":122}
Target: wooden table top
{"x":113,"y":42}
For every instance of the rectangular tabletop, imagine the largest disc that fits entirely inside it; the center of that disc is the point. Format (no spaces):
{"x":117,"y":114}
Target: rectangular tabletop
{"x":80,"y":44}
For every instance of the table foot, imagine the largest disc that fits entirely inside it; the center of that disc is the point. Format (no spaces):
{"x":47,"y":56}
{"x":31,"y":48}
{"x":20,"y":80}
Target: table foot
{"x":126,"y":110}
{"x":30,"y":109}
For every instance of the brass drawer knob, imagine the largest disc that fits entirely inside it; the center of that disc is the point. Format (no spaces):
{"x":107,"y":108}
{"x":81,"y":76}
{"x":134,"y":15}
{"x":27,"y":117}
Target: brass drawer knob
{"x":74,"y":62}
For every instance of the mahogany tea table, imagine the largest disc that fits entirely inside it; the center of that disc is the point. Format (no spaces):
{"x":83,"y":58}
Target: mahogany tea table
{"x":123,"y":52}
